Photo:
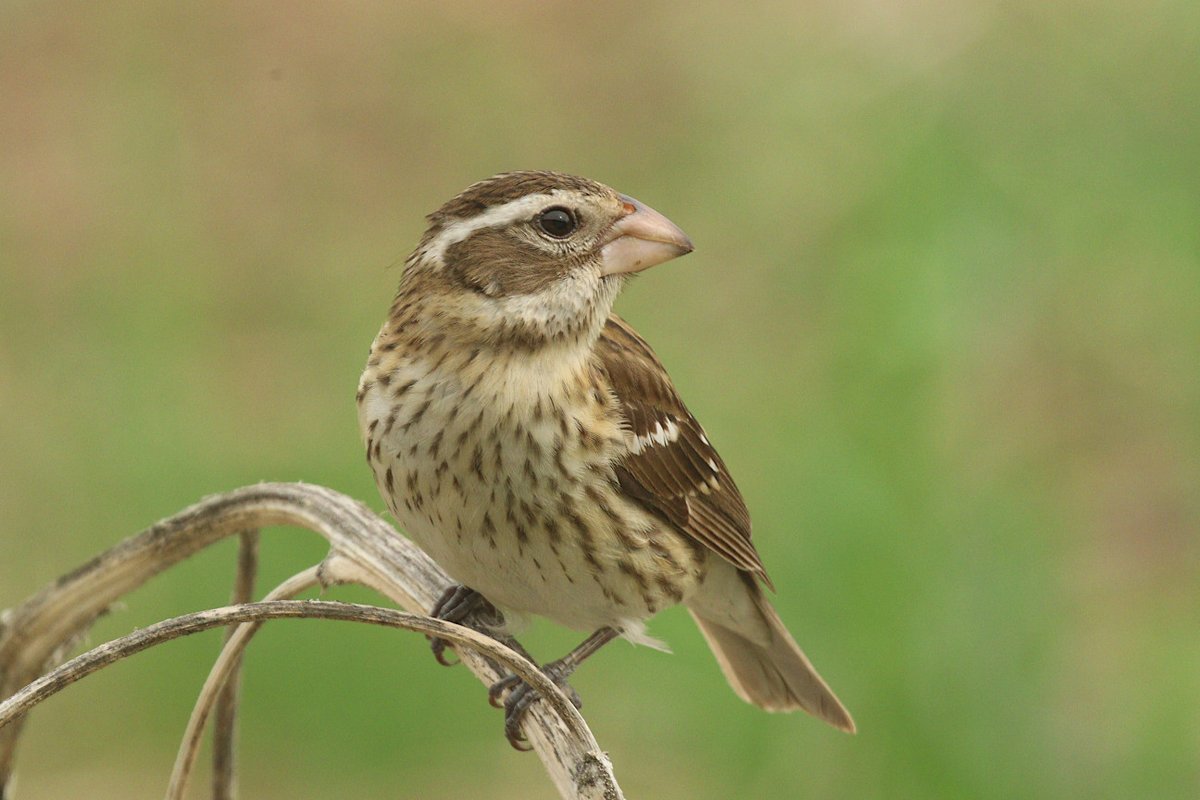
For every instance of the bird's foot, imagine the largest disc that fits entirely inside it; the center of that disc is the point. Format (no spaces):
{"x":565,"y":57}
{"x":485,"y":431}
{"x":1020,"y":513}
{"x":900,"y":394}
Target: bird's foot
{"x":521,"y":696}
{"x":463,"y":606}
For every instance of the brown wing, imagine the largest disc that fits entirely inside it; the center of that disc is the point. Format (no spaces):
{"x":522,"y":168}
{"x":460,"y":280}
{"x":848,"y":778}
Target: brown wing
{"x":671,"y":467}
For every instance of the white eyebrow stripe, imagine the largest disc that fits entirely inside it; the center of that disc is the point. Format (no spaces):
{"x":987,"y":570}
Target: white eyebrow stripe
{"x":497,"y":217}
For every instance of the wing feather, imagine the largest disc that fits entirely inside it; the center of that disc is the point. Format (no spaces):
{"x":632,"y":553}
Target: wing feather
{"x":670,"y":466}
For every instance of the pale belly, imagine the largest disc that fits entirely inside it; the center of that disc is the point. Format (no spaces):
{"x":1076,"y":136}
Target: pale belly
{"x":514,"y":496}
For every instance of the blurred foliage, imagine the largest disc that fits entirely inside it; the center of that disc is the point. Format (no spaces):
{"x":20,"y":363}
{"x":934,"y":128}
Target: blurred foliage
{"x":942,"y":321}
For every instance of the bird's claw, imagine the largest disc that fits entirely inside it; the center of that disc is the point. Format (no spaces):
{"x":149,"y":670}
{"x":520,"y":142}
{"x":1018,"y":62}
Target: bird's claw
{"x":439,"y":647}
{"x":461,"y":605}
{"x":521,"y":696}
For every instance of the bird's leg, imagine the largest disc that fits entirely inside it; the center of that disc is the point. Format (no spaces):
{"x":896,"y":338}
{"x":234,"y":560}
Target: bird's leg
{"x":522,"y":696}
{"x":464,"y":606}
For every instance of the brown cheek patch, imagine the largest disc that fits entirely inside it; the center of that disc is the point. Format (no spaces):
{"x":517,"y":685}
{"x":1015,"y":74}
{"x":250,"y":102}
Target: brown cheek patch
{"x":492,"y":262}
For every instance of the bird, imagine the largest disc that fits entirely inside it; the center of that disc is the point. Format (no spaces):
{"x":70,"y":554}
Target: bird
{"x":530,"y":441}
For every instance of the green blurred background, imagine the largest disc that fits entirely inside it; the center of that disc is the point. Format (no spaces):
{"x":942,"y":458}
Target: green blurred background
{"x":943,"y":321}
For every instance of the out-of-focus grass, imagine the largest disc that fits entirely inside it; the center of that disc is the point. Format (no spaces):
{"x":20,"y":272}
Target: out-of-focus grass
{"x":942,"y":322}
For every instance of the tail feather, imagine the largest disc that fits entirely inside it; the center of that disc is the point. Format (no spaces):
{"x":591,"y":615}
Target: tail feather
{"x":765,"y":666}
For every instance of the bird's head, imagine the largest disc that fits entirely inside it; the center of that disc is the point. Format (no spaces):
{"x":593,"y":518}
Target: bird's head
{"x":534,"y":257}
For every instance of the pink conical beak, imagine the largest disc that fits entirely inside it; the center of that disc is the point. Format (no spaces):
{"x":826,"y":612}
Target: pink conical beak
{"x":640,"y":239}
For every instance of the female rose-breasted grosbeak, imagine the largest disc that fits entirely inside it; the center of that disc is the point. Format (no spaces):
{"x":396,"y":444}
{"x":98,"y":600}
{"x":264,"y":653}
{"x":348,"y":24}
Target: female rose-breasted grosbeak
{"x":531,"y":442}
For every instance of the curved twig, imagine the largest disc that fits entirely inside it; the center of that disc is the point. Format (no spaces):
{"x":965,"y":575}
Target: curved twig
{"x":99,"y":657}
{"x":36,"y":635}
{"x":220,"y":677}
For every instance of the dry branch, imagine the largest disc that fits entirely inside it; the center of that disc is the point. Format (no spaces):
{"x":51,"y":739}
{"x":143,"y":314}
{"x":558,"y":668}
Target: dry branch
{"x":35,"y":636}
{"x":223,"y":670}
{"x":224,"y":774}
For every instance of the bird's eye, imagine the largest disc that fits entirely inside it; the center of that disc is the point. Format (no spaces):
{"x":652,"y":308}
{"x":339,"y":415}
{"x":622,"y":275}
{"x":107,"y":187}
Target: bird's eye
{"x":558,"y":222}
